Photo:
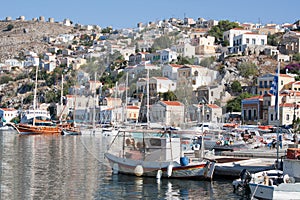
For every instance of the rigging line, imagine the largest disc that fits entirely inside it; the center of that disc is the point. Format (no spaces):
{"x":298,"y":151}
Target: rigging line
{"x":90,"y":152}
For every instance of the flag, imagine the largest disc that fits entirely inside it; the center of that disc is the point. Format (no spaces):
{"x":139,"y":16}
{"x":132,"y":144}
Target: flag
{"x":275,"y":91}
{"x":274,"y":86}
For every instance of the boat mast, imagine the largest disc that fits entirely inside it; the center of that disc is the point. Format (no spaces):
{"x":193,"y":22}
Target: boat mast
{"x":202,"y":138}
{"x":61,"y":98}
{"x":126,"y":103}
{"x":94,"y":107}
{"x":147,"y":114}
{"x":277,"y":108}
{"x":34,"y":96}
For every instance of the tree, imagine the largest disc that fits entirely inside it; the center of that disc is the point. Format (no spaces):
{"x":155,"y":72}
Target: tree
{"x":247,"y":69}
{"x":234,"y":105}
{"x":218,"y":30}
{"x":168,"y":96}
{"x":9,"y":27}
{"x":5,"y":79}
{"x":296,"y":57}
{"x":207,"y":62}
{"x":106,"y":30}
{"x":185,"y":60}
{"x":236,"y":86}
{"x":162,"y":42}
{"x":274,"y":39}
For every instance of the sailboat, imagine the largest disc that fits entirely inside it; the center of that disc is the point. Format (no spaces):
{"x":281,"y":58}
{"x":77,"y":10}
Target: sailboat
{"x":71,"y":128}
{"x":36,"y":121}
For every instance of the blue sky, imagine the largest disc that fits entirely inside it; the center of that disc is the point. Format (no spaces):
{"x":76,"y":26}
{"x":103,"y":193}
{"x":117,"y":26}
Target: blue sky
{"x":126,"y":14}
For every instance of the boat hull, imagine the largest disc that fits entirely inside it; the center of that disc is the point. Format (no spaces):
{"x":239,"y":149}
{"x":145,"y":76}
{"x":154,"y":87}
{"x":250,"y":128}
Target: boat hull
{"x":70,"y":132}
{"x":202,"y":170}
{"x":282,"y":191}
{"x":26,"y":129}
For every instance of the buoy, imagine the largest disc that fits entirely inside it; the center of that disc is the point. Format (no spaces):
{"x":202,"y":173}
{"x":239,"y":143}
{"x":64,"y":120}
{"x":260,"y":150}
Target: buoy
{"x":139,"y":170}
{"x":170,"y":169}
{"x":159,"y":173}
{"x":115,"y":168}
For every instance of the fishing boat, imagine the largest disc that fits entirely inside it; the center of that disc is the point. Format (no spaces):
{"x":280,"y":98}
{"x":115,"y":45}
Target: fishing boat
{"x":270,"y":184}
{"x":70,"y":129}
{"x":155,"y":153}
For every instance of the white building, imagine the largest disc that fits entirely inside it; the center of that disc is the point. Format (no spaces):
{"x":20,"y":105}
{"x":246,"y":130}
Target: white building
{"x":167,"y":56}
{"x":7,"y":114}
{"x":184,"y":49}
{"x":14,"y":63}
{"x":161,"y":85}
{"x":170,"y":71}
{"x":230,"y":34}
{"x":243,"y":41}
{"x":196,"y":75}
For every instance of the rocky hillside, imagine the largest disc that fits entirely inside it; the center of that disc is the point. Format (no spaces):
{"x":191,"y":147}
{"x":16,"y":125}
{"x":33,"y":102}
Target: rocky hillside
{"x":20,"y":36}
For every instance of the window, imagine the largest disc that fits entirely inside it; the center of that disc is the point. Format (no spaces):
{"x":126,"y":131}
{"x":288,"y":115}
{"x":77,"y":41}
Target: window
{"x":272,"y":118}
{"x":260,"y":84}
{"x":287,"y":117}
{"x":247,"y":40}
{"x":212,"y":93}
{"x":262,"y":42}
{"x":253,"y":41}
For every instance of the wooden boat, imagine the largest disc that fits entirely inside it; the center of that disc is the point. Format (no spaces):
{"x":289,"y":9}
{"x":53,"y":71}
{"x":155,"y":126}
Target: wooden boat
{"x":71,"y":130}
{"x":39,"y":127}
{"x":154,"y":153}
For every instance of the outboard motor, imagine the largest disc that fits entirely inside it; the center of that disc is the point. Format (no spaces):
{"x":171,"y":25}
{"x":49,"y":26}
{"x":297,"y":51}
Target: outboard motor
{"x":241,"y":186}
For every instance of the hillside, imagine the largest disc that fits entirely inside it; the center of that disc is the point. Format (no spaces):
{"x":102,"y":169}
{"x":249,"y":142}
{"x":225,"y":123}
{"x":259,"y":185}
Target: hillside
{"x":27,"y":36}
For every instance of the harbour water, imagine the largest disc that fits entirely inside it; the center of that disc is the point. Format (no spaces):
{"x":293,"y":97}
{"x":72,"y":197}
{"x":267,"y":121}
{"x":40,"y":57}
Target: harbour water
{"x":74,"y":167}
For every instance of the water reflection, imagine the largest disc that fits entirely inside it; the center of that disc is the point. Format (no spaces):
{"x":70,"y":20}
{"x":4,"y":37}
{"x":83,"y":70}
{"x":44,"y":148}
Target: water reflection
{"x":73,"y":167}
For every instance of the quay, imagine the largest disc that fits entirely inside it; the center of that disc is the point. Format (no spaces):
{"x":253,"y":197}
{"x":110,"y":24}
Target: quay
{"x":256,"y":153}
{"x":229,"y":164}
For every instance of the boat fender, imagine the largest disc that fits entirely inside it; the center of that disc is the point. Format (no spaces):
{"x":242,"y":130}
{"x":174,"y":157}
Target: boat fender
{"x":170,"y":169}
{"x":288,"y":179}
{"x":159,"y":174}
{"x":139,"y":170}
{"x":115,"y":168}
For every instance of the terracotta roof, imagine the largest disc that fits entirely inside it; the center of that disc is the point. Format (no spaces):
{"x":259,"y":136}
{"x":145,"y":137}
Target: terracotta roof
{"x":161,"y":78}
{"x":213,"y":106}
{"x":172,"y":103}
{"x":237,"y":29}
{"x":175,"y":65}
{"x":8,"y":109}
{"x":287,"y":105}
{"x":285,"y":75}
{"x":251,"y":33}
{"x":133,"y":107}
{"x":255,"y":97}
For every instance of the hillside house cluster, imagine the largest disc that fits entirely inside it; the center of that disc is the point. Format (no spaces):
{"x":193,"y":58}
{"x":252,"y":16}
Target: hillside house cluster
{"x":193,"y":42}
